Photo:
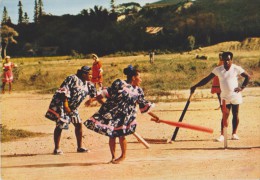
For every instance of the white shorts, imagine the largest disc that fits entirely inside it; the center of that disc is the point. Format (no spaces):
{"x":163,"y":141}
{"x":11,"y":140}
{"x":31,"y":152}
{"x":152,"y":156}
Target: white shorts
{"x":75,"y":119}
{"x":234,"y":98}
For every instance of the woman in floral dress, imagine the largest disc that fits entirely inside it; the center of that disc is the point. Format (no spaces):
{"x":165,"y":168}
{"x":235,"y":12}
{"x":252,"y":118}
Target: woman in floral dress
{"x":7,"y":74}
{"x":116,"y":117}
{"x":63,"y":108}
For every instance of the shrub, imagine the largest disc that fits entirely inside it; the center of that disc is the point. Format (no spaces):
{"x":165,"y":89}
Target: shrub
{"x":13,"y":134}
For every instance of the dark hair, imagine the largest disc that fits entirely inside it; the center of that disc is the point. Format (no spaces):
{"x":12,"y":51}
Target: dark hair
{"x":220,"y":54}
{"x":130,"y":71}
{"x":83,"y":70}
{"x":226,"y":55}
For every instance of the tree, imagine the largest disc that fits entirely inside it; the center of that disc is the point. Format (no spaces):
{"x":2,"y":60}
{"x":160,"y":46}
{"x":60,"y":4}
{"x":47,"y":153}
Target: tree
{"x":5,"y":16}
{"x":9,"y":21}
{"x":98,"y":11}
{"x":113,"y":6}
{"x":84,"y":12}
{"x":36,"y":12}
{"x":26,"y":18}
{"x":20,"y":13}
{"x":7,"y":36}
{"x":40,"y":8}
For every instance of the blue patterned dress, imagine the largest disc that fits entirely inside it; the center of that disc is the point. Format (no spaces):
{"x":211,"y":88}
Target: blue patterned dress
{"x":76,"y":91}
{"x":117,"y":115}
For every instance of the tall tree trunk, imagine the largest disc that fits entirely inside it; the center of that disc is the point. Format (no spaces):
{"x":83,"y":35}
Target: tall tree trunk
{"x":3,"y":50}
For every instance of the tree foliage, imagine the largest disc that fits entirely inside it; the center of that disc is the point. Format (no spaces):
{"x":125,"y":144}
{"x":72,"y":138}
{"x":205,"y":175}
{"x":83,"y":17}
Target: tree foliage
{"x":40,"y":8}
{"x":7,"y":37}
{"x":97,"y":30}
{"x":5,"y":16}
{"x":112,"y":4}
{"x":20,"y":12}
{"x":36,"y":12}
{"x":26,"y":18}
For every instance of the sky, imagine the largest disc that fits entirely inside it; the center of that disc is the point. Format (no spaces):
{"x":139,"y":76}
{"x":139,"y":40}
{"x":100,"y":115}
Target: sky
{"x":59,"y":7}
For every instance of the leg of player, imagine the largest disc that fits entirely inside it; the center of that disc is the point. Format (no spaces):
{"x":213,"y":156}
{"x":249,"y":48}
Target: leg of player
{"x":235,"y":121}
{"x":123,"y":145}
{"x":112,"y":146}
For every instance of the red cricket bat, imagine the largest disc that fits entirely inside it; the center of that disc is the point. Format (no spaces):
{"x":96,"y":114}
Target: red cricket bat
{"x":181,"y":118}
{"x":186,"y":125}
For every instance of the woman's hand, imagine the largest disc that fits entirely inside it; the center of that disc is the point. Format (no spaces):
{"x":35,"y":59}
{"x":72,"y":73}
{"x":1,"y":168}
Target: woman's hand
{"x":155,"y":117}
{"x":155,"y":120}
{"x":88,"y":102}
{"x":66,"y":106}
{"x":67,"y":110}
{"x":192,"y":89}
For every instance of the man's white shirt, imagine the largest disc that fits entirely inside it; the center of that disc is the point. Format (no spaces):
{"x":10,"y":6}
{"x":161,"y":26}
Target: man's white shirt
{"x":228,"y":81}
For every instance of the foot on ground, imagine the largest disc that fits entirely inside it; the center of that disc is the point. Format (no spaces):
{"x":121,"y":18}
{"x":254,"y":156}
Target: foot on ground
{"x":82,"y":150}
{"x":57,"y":152}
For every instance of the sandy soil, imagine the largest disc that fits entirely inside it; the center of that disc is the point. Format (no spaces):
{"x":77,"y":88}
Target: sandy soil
{"x":194,"y":154}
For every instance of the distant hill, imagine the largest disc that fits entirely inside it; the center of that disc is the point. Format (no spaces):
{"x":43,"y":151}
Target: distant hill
{"x":209,"y":21}
{"x":166,"y":3}
{"x":250,"y":44}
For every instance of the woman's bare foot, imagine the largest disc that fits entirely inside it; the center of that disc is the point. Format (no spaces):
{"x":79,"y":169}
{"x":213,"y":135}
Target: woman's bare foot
{"x":112,"y":160}
{"x":118,"y":160}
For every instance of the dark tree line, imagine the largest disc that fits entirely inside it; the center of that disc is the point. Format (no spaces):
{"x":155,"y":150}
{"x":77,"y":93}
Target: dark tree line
{"x":97,"y":30}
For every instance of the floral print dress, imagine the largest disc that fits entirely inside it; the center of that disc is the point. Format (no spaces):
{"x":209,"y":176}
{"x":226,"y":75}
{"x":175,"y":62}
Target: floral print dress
{"x":76,"y":91}
{"x":117,"y":115}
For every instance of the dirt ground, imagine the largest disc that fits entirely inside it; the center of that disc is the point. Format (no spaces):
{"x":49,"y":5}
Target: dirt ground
{"x":194,"y":154}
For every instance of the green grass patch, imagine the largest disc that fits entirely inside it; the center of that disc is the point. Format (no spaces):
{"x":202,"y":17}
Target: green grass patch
{"x":169,"y":72}
{"x":15,"y":134}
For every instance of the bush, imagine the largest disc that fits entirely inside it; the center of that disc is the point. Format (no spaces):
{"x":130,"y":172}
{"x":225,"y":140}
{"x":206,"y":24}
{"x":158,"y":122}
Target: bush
{"x":13,"y":134}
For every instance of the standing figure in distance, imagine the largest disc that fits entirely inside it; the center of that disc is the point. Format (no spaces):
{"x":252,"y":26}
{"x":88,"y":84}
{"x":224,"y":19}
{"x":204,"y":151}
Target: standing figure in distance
{"x":8,"y":76}
{"x":151,"y":55}
{"x":230,"y":91}
{"x":97,"y":72}
{"x":63,"y":108}
{"x":116,"y":117}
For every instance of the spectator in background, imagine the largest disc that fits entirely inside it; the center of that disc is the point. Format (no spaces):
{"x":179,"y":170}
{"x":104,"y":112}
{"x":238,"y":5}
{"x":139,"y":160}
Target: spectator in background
{"x":8,"y":74}
{"x":215,"y":82}
{"x":151,"y":55}
{"x":97,"y":72}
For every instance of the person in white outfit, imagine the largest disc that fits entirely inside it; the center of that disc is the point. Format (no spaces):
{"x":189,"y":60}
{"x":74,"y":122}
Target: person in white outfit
{"x":228,"y":74}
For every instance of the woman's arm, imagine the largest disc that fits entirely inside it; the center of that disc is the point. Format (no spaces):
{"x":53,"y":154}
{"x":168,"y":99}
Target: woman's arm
{"x":154,"y":116}
{"x":98,"y":98}
{"x":66,"y":106}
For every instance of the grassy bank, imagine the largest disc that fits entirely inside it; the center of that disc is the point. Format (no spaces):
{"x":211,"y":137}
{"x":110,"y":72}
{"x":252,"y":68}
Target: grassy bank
{"x":169,"y":72}
{"x":14,"y":134}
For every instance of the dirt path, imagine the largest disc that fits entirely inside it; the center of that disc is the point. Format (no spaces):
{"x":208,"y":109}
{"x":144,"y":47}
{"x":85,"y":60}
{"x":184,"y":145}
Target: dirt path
{"x":194,"y":155}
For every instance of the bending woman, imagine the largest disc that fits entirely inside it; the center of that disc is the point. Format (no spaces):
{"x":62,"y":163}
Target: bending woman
{"x":116,"y":117}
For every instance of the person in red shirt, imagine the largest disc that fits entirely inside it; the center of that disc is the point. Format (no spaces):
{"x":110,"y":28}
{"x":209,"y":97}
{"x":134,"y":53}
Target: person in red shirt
{"x":97,"y":77}
{"x":215,"y":82}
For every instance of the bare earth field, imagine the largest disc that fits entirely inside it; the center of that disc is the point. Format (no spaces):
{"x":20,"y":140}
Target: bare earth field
{"x":194,"y":154}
